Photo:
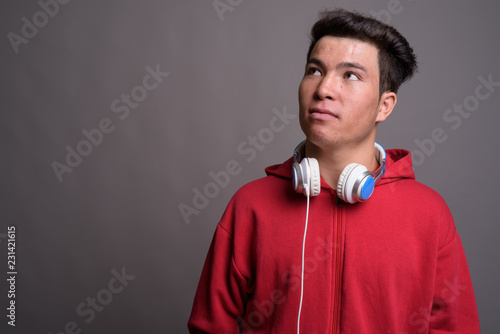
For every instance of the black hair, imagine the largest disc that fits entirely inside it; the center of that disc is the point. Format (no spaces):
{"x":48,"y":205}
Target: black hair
{"x":396,"y":59}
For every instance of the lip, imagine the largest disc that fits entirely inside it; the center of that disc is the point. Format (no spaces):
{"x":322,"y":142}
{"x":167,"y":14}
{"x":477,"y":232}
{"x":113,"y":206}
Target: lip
{"x":322,"y":114}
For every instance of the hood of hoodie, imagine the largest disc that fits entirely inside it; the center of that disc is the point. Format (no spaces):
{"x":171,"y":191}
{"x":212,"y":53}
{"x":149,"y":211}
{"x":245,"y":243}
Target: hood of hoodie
{"x":398,"y":165}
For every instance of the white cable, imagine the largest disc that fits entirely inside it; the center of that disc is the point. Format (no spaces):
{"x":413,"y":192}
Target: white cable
{"x":302,"y":273}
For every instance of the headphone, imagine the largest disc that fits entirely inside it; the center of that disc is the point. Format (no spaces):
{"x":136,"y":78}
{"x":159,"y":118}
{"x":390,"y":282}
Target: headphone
{"x":356,"y":183}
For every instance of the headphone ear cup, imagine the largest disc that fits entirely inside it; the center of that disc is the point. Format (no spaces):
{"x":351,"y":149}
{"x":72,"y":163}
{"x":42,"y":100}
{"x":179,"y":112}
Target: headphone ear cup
{"x":297,"y":180}
{"x":315,"y":177}
{"x":306,"y":177}
{"x":347,"y":181}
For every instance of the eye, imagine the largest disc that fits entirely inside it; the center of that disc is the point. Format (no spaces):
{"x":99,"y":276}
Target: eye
{"x":313,"y":71}
{"x":351,"y":76}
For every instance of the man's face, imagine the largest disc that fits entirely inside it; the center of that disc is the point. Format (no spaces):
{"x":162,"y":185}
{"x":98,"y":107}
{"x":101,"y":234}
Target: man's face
{"x":339,"y":93}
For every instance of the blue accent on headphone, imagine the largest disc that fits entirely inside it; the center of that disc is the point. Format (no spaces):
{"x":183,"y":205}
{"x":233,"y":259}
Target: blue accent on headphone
{"x":368,"y":188}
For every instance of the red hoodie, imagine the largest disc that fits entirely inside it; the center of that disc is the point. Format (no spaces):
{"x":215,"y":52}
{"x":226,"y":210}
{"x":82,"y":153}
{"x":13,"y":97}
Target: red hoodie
{"x":393,"y":264}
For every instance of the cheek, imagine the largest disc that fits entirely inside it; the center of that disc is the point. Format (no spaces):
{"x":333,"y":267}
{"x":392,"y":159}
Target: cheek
{"x":301,"y":92}
{"x":364,"y":102}
{"x":306,"y":90}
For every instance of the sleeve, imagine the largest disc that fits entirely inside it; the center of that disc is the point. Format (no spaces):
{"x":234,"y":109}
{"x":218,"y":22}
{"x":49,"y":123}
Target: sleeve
{"x":221,"y":295}
{"x":454,"y":307}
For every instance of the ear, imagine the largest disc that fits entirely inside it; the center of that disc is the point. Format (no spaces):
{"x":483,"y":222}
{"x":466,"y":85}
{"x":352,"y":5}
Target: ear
{"x":387,"y":103}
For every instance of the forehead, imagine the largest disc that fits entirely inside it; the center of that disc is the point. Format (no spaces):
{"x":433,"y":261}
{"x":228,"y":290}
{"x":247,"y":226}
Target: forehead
{"x":331,"y":50}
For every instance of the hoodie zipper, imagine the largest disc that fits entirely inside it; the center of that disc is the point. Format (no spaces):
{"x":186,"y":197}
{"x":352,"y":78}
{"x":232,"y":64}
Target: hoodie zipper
{"x":337,"y":268}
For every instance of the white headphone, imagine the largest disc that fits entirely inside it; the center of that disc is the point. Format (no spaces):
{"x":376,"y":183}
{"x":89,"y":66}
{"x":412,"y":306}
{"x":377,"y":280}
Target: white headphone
{"x":356,"y":183}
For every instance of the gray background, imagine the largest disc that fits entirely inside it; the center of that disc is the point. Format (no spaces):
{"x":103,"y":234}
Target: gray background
{"x":119,"y":208}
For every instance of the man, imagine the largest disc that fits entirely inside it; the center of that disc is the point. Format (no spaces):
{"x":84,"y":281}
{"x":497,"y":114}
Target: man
{"x":340,"y":259}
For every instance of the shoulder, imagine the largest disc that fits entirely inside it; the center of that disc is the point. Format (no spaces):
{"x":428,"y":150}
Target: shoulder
{"x":260,"y":199}
{"x":399,"y":183}
{"x":418,"y":192}
{"x":277,"y":181}
{"x":261,"y":192}
{"x":419,"y":205}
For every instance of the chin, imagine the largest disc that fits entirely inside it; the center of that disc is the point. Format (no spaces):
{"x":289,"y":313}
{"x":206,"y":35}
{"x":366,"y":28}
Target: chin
{"x":318,"y":134}
{"x":322,"y":140}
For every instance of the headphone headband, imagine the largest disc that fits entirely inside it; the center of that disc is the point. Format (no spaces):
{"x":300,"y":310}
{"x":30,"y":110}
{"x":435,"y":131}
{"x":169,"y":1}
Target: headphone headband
{"x":298,"y":152}
{"x":380,"y":171}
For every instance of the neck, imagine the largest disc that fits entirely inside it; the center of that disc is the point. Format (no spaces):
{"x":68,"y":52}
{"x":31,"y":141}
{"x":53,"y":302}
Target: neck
{"x":333,"y":160}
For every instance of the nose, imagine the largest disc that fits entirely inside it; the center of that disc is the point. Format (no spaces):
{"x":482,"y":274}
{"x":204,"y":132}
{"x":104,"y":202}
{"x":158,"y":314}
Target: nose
{"x":327,"y":88}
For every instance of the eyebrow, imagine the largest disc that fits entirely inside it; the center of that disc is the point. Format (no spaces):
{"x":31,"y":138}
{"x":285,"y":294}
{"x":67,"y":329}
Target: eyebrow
{"x":315,"y":61}
{"x":339,"y":66}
